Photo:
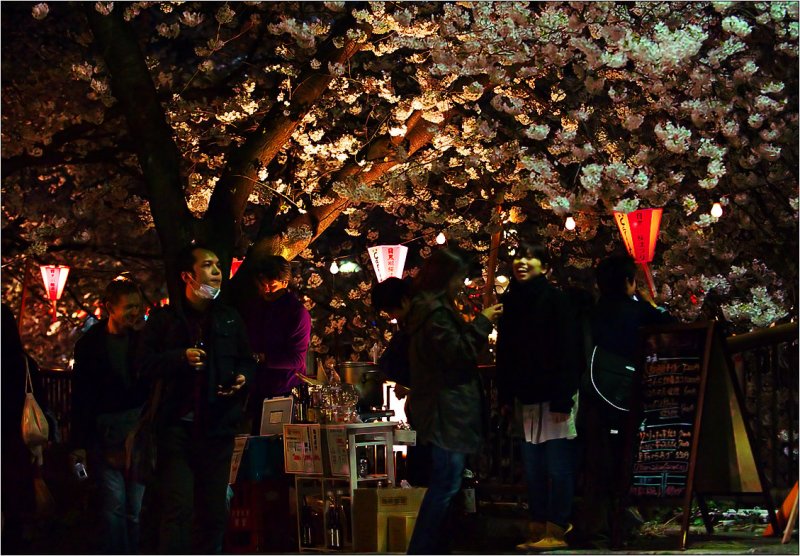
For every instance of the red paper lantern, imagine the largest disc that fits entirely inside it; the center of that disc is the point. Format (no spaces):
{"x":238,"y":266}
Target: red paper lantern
{"x":639,"y":231}
{"x":388,"y":260}
{"x":55,"y":278}
{"x":235,"y":264}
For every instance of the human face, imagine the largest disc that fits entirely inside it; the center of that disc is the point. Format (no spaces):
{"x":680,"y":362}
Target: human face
{"x":526,"y":267}
{"x":273,"y":287}
{"x":124,"y":313}
{"x":205,"y":270}
{"x":456,"y":284}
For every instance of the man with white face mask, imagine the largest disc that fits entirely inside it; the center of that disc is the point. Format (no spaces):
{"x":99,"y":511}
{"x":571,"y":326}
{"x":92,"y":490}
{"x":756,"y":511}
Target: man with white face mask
{"x":201,"y":356}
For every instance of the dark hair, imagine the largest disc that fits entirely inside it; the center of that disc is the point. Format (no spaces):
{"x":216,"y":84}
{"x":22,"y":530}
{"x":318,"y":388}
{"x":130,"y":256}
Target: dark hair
{"x":274,"y":267}
{"x":186,"y":259}
{"x":439,"y":269}
{"x":533,"y":251}
{"x":119,"y":287}
{"x":613,"y":272}
{"x":390,"y":293}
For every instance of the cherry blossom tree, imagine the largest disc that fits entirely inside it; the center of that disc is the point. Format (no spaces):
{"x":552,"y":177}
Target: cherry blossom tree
{"x":317,"y":129}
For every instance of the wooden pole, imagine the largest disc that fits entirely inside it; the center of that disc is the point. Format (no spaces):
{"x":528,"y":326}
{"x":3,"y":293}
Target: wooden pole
{"x":25,"y":275}
{"x":489,"y":297}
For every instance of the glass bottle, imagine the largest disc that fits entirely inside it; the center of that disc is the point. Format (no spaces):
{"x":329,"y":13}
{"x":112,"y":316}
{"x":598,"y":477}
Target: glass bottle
{"x":333,"y":525}
{"x":363,"y":466}
{"x":468,"y":484}
{"x":306,"y":526}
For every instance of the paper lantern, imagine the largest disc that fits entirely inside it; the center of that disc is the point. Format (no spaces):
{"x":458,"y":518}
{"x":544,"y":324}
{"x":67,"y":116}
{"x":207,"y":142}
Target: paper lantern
{"x":55,"y":278}
{"x":388,"y":260}
{"x":235,"y":264}
{"x":639,"y":231}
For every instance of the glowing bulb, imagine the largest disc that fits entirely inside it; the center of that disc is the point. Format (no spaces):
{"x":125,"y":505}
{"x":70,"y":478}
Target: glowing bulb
{"x":467,"y":282}
{"x":716,"y":210}
{"x":512,"y":252}
{"x":569,"y":223}
{"x":502,"y":279}
{"x":334,"y":268}
{"x":441,"y":239}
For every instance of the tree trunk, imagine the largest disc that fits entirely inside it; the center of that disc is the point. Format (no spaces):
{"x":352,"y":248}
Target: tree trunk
{"x":158,"y":154}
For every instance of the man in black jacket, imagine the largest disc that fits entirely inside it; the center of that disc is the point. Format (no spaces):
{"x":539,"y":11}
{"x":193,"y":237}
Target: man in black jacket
{"x":615,"y":323}
{"x":538,"y":367}
{"x":200,"y":355}
{"x":107,"y":398}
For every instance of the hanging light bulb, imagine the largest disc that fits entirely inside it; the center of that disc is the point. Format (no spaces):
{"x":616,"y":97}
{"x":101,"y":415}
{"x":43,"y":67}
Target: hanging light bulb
{"x":716,"y":210}
{"x":441,"y":239}
{"x":569,"y":223}
{"x":334,"y":268}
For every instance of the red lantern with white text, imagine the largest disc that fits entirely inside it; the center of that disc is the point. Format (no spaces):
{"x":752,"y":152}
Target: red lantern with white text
{"x":388,"y":260}
{"x":639,"y":231}
{"x":54,"y":277}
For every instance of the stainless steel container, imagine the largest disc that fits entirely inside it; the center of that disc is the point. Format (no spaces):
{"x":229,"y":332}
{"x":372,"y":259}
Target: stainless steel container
{"x":368,"y":380}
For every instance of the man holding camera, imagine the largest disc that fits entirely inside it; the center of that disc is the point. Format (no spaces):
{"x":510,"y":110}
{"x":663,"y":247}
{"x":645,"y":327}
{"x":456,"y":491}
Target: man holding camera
{"x":199,"y":353}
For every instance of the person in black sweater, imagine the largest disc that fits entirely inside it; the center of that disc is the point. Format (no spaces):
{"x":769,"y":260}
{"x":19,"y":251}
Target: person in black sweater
{"x":615,"y":321}
{"x":539,"y":364}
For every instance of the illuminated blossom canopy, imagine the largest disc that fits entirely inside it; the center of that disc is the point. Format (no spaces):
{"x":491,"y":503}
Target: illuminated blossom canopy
{"x":319,"y":129}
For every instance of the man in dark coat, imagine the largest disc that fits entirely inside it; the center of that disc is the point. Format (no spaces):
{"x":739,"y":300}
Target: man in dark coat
{"x":107,"y":398}
{"x":200,"y":355}
{"x":615,"y":321}
{"x":19,"y":469}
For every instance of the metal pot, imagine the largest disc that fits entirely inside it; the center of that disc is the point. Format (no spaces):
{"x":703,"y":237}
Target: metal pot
{"x":368,"y":380}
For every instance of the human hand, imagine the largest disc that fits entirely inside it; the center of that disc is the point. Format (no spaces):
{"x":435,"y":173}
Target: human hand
{"x":78,"y":455}
{"x":559,"y":417}
{"x":493,"y":312}
{"x":235,"y":387}
{"x":196,"y":358}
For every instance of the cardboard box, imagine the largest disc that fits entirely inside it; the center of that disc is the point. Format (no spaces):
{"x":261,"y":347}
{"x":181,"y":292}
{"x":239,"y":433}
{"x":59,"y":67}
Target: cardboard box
{"x":399,"y":529}
{"x":372,"y":508}
{"x":302,"y":449}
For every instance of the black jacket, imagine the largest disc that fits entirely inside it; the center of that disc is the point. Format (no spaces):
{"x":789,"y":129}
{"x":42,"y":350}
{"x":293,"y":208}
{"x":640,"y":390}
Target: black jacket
{"x":96,"y":389}
{"x":162,"y":356}
{"x":615,"y":323}
{"x":444,"y":405}
{"x":539,"y":347}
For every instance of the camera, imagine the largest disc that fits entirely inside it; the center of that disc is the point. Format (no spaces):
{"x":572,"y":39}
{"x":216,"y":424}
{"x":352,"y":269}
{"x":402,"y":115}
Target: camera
{"x":80,"y":471}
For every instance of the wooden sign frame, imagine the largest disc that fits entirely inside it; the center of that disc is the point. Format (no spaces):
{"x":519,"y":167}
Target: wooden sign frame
{"x":721,"y":409}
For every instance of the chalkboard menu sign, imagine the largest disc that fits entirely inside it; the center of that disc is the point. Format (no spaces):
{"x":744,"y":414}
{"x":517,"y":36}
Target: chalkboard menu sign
{"x":688,"y":397}
{"x":673,"y":374}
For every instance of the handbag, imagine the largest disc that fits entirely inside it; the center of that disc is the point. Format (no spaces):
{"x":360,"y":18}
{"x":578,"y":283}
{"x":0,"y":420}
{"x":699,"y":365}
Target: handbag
{"x":35,"y":430}
{"x":611,"y":378}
